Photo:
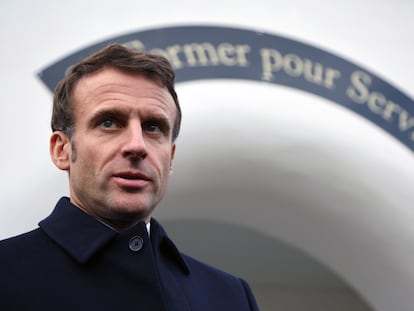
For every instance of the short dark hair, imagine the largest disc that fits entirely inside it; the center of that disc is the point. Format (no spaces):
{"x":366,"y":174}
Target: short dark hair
{"x":153,"y":66}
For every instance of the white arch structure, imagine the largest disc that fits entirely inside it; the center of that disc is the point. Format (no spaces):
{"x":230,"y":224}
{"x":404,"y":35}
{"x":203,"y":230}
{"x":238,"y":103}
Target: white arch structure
{"x":297,"y":186}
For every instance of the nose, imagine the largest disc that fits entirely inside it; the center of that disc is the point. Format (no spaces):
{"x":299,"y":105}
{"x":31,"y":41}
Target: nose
{"x":134,"y":147}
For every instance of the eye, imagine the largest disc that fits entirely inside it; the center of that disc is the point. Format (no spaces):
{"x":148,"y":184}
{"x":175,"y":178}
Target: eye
{"x":152,"y":127}
{"x":107,"y":124}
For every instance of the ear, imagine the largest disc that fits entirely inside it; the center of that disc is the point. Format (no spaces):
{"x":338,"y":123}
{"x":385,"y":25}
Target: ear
{"x":172,"y":157}
{"x":60,"y":150}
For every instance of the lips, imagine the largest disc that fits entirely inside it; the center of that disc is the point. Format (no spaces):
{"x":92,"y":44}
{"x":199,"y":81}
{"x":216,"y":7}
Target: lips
{"x":132,"y":180}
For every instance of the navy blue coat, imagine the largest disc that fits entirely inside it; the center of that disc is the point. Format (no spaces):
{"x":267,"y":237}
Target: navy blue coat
{"x":74,"y":262}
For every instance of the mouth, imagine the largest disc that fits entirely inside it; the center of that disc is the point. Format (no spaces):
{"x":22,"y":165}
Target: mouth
{"x":132,"y":180}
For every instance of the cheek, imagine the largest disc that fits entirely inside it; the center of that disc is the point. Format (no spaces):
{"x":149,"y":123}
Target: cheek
{"x":84,"y":160}
{"x":165,"y":164}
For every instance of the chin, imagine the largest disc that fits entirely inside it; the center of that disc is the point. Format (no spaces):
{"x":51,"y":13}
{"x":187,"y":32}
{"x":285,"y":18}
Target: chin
{"x":132,"y":207}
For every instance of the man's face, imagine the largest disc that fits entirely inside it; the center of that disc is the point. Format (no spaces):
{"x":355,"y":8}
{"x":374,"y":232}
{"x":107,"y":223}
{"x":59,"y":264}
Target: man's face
{"x":120,"y":156}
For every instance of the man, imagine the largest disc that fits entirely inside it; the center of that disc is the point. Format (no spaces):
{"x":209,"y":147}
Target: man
{"x":115,"y":120}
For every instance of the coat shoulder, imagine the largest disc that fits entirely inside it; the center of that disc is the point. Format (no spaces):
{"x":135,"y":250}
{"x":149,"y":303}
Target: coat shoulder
{"x":222,"y":287}
{"x":26,"y":239}
{"x":197,"y":266}
{"x":25,"y":245}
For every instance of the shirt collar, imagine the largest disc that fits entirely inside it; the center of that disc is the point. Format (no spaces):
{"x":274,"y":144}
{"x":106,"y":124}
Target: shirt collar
{"x":82,"y":236}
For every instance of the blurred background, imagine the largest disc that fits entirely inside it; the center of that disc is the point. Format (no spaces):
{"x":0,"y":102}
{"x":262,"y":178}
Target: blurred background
{"x":308,"y":201}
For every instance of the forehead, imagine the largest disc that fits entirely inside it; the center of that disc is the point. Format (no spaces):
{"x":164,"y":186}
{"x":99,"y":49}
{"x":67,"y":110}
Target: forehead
{"x":111,"y":85}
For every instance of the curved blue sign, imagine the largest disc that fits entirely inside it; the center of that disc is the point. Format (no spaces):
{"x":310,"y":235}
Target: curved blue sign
{"x":209,"y":52}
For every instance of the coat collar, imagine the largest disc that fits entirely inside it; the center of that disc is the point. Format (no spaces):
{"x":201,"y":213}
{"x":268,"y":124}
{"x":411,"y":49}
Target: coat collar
{"x":82,"y":236}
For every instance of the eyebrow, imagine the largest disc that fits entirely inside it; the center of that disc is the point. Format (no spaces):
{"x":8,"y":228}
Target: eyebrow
{"x":106,"y":112}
